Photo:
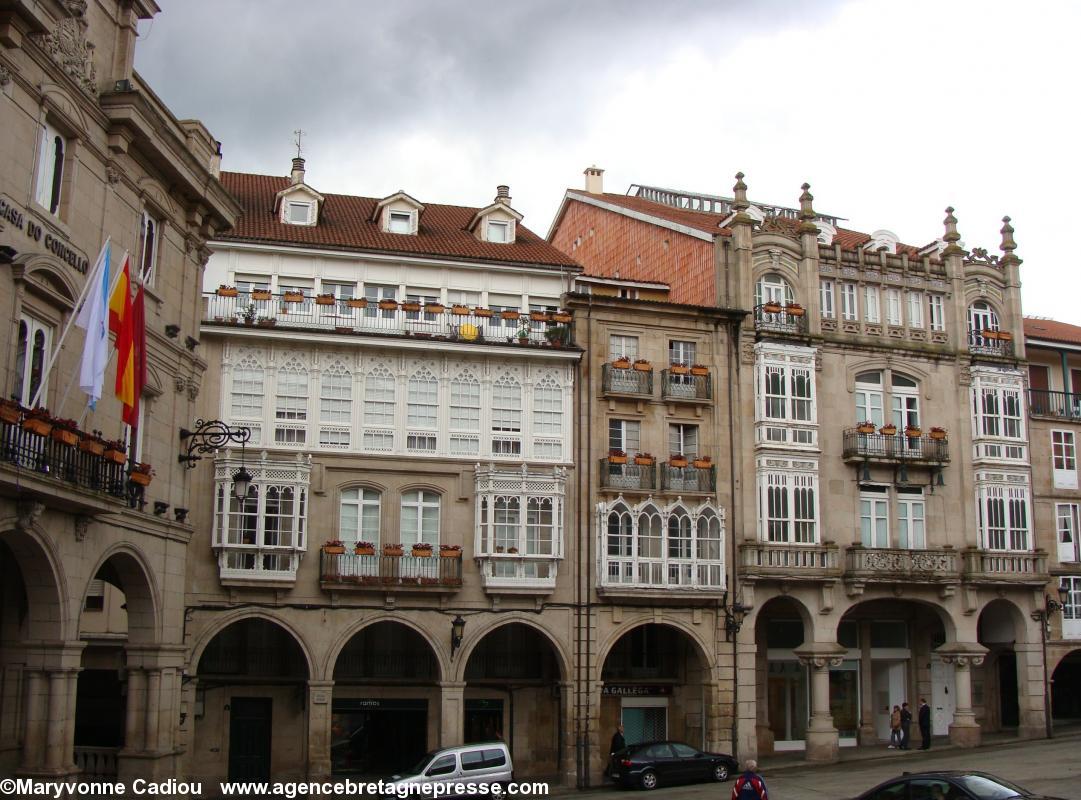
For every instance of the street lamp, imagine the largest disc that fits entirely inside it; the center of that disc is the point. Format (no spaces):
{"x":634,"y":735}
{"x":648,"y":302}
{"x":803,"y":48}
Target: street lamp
{"x":733,"y":620}
{"x":241,"y":484}
{"x":457,"y":633}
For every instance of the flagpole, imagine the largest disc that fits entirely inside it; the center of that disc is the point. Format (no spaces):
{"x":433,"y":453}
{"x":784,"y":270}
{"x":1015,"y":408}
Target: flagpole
{"x":87,"y":406}
{"x":71,"y":321}
{"x":75,"y":375}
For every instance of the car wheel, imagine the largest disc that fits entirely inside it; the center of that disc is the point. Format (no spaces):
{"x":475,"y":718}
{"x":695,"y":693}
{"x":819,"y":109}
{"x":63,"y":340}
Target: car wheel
{"x":649,"y":780}
{"x":720,"y":773}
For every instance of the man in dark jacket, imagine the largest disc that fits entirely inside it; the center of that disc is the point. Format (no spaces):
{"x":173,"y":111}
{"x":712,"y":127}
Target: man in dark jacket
{"x":749,"y":785}
{"x":906,"y":725}
{"x":618,"y":742}
{"x":925,"y":725}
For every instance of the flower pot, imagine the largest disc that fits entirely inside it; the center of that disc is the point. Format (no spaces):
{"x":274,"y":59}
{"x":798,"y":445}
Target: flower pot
{"x":677,"y":461}
{"x":64,"y":436}
{"x":888,"y":430}
{"x":459,"y":311}
{"x":141,"y":478}
{"x":116,"y":456}
{"x":617,"y":459}
{"x":700,"y":371}
{"x":703,"y":463}
{"x":434,"y":308}
{"x":643,"y":366}
{"x":621,"y":363}
{"x":771,"y":308}
{"x":392,"y":550}
{"x":364,"y":550}
{"x":794,"y":310}
{"x":9,"y":414}
{"x":483,"y":312}
{"x":227,"y":291}
{"x":450,"y":553}
{"x":913,"y":432}
{"x":356,"y":302}
{"x":539,"y":316}
{"x":324,"y":300}
{"x":644,"y":461}
{"x":343,"y":328}
{"x":260,"y":294}
{"x":677,"y":369}
{"x":1005,"y":336}
{"x":92,"y":446}
{"x":419,"y":552}
{"x":334,"y":549}
{"x":938,"y":435}
{"x":865,"y":429}
{"x":293,"y":297}
{"x":388,"y":305}
{"x":267,"y":322}
{"x":42,"y":427}
{"x":509,"y":314}
{"x":562,"y":317}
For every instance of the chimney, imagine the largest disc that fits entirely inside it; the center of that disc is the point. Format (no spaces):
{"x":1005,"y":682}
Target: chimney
{"x":594,"y":180}
{"x":215,"y":161}
{"x":502,"y":194}
{"x":298,"y":170}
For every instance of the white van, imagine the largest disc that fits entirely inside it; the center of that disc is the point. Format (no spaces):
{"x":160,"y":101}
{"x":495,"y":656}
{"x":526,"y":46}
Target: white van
{"x":468,"y":764}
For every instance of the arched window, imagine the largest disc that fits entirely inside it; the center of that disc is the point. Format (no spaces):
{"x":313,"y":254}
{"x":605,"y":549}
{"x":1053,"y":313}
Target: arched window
{"x":650,"y":533}
{"x":877,"y":390}
{"x":292,"y":403}
{"x":772,"y":288}
{"x":540,"y":527}
{"x":620,"y":532}
{"x":981,"y":317}
{"x":358,"y":516}
{"x":423,"y":400}
{"x":379,"y":391}
{"x":679,"y":534}
{"x":508,"y":521}
{"x":420,"y":518}
{"x":547,"y":407}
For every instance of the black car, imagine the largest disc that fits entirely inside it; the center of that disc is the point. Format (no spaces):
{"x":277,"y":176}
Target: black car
{"x":949,"y":785}
{"x":650,"y":764}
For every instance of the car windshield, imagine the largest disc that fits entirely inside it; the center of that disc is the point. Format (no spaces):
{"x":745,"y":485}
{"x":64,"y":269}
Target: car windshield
{"x":418,"y":768}
{"x":987,"y":788}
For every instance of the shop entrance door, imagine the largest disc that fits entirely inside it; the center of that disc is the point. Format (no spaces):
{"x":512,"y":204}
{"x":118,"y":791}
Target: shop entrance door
{"x":483,"y":721}
{"x":645,"y":723}
{"x":249,"y":738}
{"x":377,"y":737}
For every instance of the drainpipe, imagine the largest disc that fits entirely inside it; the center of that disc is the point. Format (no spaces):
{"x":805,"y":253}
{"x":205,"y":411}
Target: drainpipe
{"x":733,"y":366}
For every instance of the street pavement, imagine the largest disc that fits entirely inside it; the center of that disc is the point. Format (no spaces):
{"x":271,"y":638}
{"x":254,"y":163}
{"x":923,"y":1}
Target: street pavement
{"x":1045,"y":766}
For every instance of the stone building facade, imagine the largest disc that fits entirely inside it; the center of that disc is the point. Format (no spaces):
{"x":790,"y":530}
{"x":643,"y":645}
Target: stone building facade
{"x":92,"y":566}
{"x":408,"y":373}
{"x":871,"y":563}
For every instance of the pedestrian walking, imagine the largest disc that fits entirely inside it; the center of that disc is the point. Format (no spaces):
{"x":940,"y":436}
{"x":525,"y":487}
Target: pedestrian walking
{"x":924,"y":719}
{"x":895,"y":728}
{"x":618,"y":742}
{"x":906,"y":725}
{"x":749,"y":785}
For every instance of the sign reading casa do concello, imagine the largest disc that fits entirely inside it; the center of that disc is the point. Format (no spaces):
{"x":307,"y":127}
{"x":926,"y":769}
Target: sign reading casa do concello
{"x":20,"y":220}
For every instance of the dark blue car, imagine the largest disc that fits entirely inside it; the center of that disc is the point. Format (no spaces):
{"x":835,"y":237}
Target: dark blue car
{"x":651,"y":764}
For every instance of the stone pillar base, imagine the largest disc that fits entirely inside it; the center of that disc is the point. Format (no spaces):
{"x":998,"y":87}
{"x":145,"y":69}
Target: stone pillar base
{"x":822,"y":746}
{"x":151,"y":766}
{"x":765,"y":739}
{"x":867,"y":736}
{"x":965,"y":735}
{"x":1032,"y":731}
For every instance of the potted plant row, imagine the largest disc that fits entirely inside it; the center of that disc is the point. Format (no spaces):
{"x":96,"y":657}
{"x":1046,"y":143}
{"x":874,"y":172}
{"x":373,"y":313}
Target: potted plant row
{"x":225,"y":290}
{"x":393,"y":550}
{"x":913,"y":431}
{"x":364,"y":549}
{"x":422,"y":550}
{"x":260,"y":294}
{"x":617,"y":457}
{"x":703,"y":462}
{"x":66,"y":431}
{"x":677,"y":460}
{"x":357,"y":302}
{"x":679,"y":369}
{"x":794,"y":310}
{"x":889,"y":429}
{"x":699,"y":369}
{"x":865,"y":427}
{"x":38,"y":421}
{"x":141,"y":473}
{"x":450,"y":551}
{"x":621,"y":363}
{"x":333,"y":547}
{"x":938,"y":434}
{"x":92,"y":443}
{"x":293,"y":297}
{"x":644,"y":459}
{"x":10,"y":411}
{"x":772,"y":307}
{"x":388,"y":304}
{"x":642,"y":365}
{"x":327,"y":299}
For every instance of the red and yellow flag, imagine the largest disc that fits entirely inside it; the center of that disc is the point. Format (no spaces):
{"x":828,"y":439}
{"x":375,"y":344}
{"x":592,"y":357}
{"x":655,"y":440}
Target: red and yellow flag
{"x":120,"y":299}
{"x":121,"y":323}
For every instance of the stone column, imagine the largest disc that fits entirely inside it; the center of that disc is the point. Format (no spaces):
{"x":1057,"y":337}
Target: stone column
{"x":452,"y":713}
{"x":58,"y":748}
{"x":153,"y":705}
{"x":320,"y":697}
{"x":1030,"y":690}
{"x":763,"y":731}
{"x":822,"y":737}
{"x":965,"y":731}
{"x":566,"y":701}
{"x":867,"y":696}
{"x":133,"y":713}
{"x":34,"y":721}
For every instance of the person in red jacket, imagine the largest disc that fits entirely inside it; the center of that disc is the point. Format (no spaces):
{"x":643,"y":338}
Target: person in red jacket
{"x":749,"y":785}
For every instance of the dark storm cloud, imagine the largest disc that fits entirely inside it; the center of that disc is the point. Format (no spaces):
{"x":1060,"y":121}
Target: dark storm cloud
{"x":358,"y":72}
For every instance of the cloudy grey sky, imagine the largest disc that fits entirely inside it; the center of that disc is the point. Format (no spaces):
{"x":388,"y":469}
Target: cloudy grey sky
{"x":892,"y":111}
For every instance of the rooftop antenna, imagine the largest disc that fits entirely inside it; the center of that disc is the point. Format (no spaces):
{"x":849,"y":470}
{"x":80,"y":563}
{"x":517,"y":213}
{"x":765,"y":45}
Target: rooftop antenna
{"x":299,"y":134}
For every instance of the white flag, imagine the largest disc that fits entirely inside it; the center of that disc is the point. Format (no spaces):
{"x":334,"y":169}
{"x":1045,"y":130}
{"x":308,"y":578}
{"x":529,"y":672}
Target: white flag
{"x":94,"y":319}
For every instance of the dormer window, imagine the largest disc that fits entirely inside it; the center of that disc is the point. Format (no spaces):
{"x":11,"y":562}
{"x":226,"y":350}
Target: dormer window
{"x":400,"y":222}
{"x":498,"y":231}
{"x":298,"y":213}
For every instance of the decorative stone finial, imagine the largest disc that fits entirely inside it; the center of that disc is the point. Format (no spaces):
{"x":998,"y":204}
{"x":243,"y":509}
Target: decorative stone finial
{"x":740,"y":191}
{"x":951,"y":227}
{"x":1008,"y":243}
{"x":806,"y":211}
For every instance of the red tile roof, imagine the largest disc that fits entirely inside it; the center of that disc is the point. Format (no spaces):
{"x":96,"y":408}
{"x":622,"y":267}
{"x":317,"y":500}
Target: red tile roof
{"x":710,"y":222}
{"x":1052,"y":331}
{"x":344,"y":224}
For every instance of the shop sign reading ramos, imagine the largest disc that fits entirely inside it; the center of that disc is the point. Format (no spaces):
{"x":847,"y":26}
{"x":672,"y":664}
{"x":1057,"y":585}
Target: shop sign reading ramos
{"x":35,"y":231}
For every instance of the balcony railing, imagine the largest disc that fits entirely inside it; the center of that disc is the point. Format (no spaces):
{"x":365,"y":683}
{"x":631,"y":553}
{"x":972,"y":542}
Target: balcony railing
{"x":990,"y":343}
{"x":626,"y":381}
{"x":786,"y":320}
{"x":67,"y":464}
{"x":793,"y":561}
{"x":627,"y":573}
{"x":518,"y":574}
{"x":1006,"y":566}
{"x":690,"y":479}
{"x":628,"y":477}
{"x":389,"y":573}
{"x":893,"y":563}
{"x":96,"y":762}
{"x":1062,"y":405}
{"x":340,"y":316}
{"x":686,"y":388}
{"x":896,"y":448}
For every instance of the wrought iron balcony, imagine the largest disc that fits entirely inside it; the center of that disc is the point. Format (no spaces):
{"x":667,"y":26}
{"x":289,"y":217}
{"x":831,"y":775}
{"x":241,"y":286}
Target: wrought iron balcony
{"x":1005,"y":567}
{"x":264,"y":310}
{"x":406,"y":573}
{"x":686,"y":388}
{"x":1060,"y":405}
{"x":894,"y":449}
{"x":806,"y":562}
{"x":689,"y":479}
{"x":48,"y":462}
{"x":990,"y":343}
{"x":865,"y":565}
{"x":629,"y":477}
{"x":772,"y":318}
{"x":628,"y":381}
